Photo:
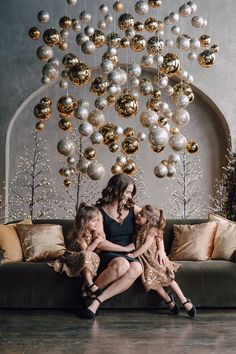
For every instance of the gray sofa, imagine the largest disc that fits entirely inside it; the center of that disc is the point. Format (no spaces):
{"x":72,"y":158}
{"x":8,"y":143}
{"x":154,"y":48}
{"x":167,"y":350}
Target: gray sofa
{"x":209,"y":284}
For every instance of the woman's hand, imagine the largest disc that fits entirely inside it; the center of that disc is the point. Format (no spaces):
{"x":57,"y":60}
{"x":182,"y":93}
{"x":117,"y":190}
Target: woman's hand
{"x":130,"y":247}
{"x":162,"y":258}
{"x":131,"y":255}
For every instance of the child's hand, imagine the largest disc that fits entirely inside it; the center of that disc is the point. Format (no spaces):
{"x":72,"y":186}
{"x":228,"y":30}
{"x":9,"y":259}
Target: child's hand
{"x":161,"y":258}
{"x":130,"y":255}
{"x":130,"y":247}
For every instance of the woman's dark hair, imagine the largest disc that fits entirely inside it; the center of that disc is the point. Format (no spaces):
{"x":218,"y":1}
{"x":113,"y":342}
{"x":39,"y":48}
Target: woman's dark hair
{"x":114,"y":190}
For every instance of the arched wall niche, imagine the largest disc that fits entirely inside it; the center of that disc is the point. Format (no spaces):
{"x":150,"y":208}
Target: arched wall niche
{"x":208,"y":127}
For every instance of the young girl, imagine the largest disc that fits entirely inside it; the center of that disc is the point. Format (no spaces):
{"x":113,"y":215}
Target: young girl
{"x":80,"y":257}
{"x":150,"y":224}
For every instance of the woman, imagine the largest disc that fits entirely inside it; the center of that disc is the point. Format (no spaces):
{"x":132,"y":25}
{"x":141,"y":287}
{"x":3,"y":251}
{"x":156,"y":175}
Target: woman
{"x":119,"y":271}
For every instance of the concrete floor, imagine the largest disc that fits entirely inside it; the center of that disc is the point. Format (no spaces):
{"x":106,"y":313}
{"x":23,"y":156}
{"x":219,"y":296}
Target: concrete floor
{"x":114,"y":332}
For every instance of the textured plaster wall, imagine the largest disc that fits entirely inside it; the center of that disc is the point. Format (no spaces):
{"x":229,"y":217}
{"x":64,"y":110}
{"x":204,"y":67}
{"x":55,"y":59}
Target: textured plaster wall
{"x":20,"y":71}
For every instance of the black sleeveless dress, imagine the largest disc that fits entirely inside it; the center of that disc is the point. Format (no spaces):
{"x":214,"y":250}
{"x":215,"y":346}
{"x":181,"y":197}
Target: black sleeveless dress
{"x":120,"y":234}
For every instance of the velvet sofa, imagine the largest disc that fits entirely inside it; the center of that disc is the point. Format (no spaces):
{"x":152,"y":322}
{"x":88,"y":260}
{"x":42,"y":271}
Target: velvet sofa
{"x":209,"y":284}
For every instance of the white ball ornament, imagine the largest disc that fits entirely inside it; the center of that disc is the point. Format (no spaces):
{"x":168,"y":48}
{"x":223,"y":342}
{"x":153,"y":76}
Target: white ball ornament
{"x":121,"y":160}
{"x":195,"y":44}
{"x":118,"y":130}
{"x":71,"y":2}
{"x":103,"y":9}
{"x":160,"y":171}
{"x":197,"y":21}
{"x":85,"y":129}
{"x":185,"y":10}
{"x":174,"y":158}
{"x":100,"y":103}
{"x":82,"y":102}
{"x":43,"y":16}
{"x":96,"y":138}
{"x":182,"y":42}
{"x":159,"y":59}
{"x":85,"y":16}
{"x":141,"y":136}
{"x":192,"y":56}
{"x":182,"y":101}
{"x":148,"y":118}
{"x":174,"y":17}
{"x":66,"y":146}
{"x":89,"y":30}
{"x":81,"y":113}
{"x":107,"y":66}
{"x":134,"y":70}
{"x":147,"y":60}
{"x":101,"y":25}
{"x":175,"y":30}
{"x":181,"y":117}
{"x":158,"y":136}
{"x":108,"y":18}
{"x":141,"y":7}
{"x":193,"y":6}
{"x":88,"y":47}
{"x":171,"y":171}
{"x":81,"y":38}
{"x":169,"y":43}
{"x":178,"y":142}
{"x":96,"y":171}
{"x":135,"y":82}
{"x":44,"y":52}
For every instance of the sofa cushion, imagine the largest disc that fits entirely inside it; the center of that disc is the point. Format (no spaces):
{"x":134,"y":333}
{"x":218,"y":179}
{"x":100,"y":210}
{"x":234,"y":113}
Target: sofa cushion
{"x":225,"y":238}
{"x":193,"y":242}
{"x":41,"y":242}
{"x":10,"y":243}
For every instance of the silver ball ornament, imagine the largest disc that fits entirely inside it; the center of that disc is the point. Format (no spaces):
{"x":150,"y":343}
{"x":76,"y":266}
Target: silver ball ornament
{"x":134,"y":70}
{"x":185,"y":10}
{"x":66,"y":146}
{"x":160,"y":170}
{"x":96,"y":138}
{"x":177,"y":142}
{"x":96,"y":171}
{"x":158,"y":136}
{"x":82,"y":165}
{"x":81,"y":113}
{"x":174,"y":158}
{"x":85,"y":16}
{"x":43,"y":16}
{"x":107,"y":66}
{"x":85,"y":129}
{"x":181,"y":117}
{"x":182,"y":101}
{"x":44,"y":52}
{"x":88,"y":47}
{"x":141,"y":7}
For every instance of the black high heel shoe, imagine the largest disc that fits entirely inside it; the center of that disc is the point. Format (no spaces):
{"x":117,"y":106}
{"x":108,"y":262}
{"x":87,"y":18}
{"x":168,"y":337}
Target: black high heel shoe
{"x":89,"y":314}
{"x":175,"y":309}
{"x":95,"y":293}
{"x":192,"y":312}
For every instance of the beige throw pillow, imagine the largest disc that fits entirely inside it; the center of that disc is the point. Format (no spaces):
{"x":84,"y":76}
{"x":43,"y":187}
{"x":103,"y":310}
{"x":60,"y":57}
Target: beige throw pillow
{"x":225,"y":238}
{"x":41,"y":242}
{"x":10,"y":243}
{"x":193,"y":242}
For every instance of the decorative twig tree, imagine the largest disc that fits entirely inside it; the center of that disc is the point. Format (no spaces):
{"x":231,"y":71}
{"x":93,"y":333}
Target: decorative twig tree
{"x":224,"y":200}
{"x":185,"y":200}
{"x":32,"y":192}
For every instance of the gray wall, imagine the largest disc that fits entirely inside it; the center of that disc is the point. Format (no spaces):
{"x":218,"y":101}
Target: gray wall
{"x":212,"y":113}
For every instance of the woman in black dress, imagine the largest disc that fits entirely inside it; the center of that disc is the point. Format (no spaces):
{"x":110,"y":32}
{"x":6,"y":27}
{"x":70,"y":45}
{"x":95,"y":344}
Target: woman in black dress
{"x":118,"y":271}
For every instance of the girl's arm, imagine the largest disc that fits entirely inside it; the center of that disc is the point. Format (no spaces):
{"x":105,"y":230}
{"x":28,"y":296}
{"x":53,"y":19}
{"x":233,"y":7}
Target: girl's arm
{"x":161,"y":254}
{"x":145,"y":246}
{"x":106,"y":245}
{"x":92,"y":246}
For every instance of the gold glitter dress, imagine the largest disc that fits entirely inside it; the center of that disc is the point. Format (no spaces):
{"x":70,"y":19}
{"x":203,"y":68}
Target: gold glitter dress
{"x":154,"y":274}
{"x":76,"y":260}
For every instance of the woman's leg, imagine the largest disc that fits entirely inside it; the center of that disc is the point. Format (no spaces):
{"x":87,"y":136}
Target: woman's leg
{"x":120,"y":285}
{"x":116,"y":268}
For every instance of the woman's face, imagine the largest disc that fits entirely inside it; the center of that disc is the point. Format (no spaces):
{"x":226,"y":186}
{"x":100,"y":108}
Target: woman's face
{"x":141,"y":218}
{"x":127,"y":193}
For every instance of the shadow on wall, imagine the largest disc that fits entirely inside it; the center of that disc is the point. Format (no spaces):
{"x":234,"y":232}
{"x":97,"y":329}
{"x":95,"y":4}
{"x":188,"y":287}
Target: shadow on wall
{"x":207,"y":126}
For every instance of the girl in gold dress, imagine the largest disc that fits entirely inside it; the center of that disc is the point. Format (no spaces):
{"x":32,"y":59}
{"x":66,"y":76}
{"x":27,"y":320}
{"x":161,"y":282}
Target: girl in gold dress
{"x":150,"y":224}
{"x":80,"y":257}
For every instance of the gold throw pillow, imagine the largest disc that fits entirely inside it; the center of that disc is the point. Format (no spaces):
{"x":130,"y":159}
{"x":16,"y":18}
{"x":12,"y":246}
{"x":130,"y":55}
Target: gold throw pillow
{"x":41,"y":242}
{"x":10,"y":243}
{"x":225,"y":238}
{"x":193,"y":242}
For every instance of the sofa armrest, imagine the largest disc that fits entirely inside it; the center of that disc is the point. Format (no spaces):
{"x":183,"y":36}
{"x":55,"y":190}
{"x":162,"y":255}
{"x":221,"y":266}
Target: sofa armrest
{"x":233,"y":258}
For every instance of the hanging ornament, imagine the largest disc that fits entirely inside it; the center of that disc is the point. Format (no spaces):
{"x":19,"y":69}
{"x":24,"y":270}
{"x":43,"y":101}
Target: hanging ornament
{"x":129,"y":167}
{"x":126,"y":105}
{"x":66,"y":146}
{"x":95,"y":171}
{"x":80,"y":74}
{"x":130,"y":145}
{"x":191,"y":146}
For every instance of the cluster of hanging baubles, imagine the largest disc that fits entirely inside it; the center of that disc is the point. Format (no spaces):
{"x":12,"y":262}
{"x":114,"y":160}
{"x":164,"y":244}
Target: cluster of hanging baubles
{"x":108,"y":86}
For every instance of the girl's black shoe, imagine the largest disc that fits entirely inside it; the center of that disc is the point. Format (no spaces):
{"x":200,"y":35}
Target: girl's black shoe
{"x":192,"y":312}
{"x":175,"y":309}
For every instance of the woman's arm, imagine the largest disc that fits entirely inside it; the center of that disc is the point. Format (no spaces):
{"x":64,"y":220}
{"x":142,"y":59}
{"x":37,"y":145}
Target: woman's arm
{"x":106,"y":245}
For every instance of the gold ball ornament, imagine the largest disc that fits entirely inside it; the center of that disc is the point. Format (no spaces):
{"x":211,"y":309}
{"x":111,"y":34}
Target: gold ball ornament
{"x":65,"y":22}
{"x":129,"y":132}
{"x":191,"y":146}
{"x":138,"y":43}
{"x":174,"y":130}
{"x":116,"y":168}
{"x":118,"y":6}
{"x":46,"y":101}
{"x":67,"y":182}
{"x":39,"y":126}
{"x":99,"y":86}
{"x":126,"y":105}
{"x":113,"y":58}
{"x":124,"y":43}
{"x":63,"y":45}
{"x":66,"y":106}
{"x":107,"y":131}
{"x":125,"y":21}
{"x":51,"y":37}
{"x":129,"y":167}
{"x":170,"y":65}
{"x":98,"y":38}
{"x":80,"y":74}
{"x":157,"y":148}
{"x":65,"y":124}
{"x":69,"y":60}
{"x":156,"y":93}
{"x":113,"y":147}
{"x":207,"y":58}
{"x":155,"y":45}
{"x":154,"y":3}
{"x":205,"y":40}
{"x":111,"y":100}
{"x":42,"y":111}
{"x":182,"y":89}
{"x":138,"y":26}
{"x":151,"y":24}
{"x":90,"y":153}
{"x":215,"y":48}
{"x":34,"y":33}
{"x":153,"y":104}
{"x":113,"y":40}
{"x":130,"y":145}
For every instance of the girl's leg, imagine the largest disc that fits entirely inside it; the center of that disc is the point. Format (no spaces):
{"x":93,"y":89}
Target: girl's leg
{"x":120,"y":285}
{"x":88,"y":284}
{"x":182,"y":298}
{"x":168,"y":299}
